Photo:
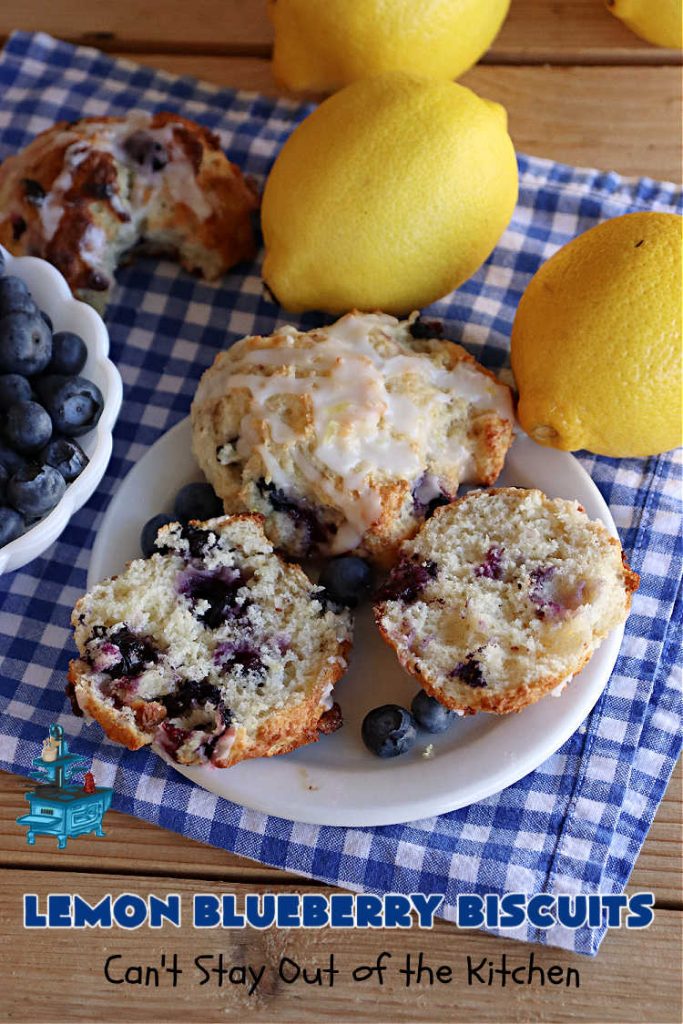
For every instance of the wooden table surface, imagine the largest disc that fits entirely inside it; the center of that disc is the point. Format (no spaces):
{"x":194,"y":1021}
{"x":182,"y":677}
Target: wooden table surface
{"x":579,"y":87}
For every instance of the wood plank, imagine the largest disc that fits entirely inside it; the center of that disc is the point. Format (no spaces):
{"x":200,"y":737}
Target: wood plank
{"x":565,"y":31}
{"x":564,"y":113}
{"x":65,"y":968}
{"x":136,"y":847}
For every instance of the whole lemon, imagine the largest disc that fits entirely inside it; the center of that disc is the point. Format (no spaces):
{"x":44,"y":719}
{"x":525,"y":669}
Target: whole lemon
{"x":596,"y":342}
{"x":388,"y":196}
{"x":658,"y":21}
{"x":322,"y":45}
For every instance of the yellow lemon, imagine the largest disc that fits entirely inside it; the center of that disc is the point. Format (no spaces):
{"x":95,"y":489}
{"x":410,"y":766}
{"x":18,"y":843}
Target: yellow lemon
{"x":321,"y":45}
{"x":658,"y":21}
{"x":596,"y":342}
{"x":388,"y":196}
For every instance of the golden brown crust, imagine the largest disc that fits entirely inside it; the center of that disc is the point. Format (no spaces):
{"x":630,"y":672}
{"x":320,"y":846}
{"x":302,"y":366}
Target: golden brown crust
{"x":96,"y":197}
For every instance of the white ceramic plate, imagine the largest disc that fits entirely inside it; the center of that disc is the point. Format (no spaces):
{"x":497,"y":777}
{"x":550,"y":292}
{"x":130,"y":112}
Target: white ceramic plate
{"x":337,"y":781}
{"x":53,"y":295}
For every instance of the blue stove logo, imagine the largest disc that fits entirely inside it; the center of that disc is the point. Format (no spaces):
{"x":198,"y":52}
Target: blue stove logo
{"x":60,"y":808}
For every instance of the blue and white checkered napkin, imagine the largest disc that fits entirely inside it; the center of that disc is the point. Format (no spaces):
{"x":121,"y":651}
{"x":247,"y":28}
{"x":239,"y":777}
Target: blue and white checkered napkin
{"x":575,"y":824}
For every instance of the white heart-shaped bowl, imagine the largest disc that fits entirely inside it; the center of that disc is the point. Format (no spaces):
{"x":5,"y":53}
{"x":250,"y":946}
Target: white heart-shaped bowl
{"x":53,"y":295}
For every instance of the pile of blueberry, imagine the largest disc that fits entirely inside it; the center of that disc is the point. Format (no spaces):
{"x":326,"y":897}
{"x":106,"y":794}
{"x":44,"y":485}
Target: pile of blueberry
{"x":44,"y":406}
{"x":392,"y":730}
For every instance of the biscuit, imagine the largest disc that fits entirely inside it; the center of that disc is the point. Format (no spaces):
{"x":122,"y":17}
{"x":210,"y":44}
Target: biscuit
{"x":503,"y":597}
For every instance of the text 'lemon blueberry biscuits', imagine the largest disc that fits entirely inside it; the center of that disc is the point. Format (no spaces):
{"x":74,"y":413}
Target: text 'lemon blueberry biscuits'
{"x":86,"y":194}
{"x":213,"y":649}
{"x":346,"y":436}
{"x":502,"y":597}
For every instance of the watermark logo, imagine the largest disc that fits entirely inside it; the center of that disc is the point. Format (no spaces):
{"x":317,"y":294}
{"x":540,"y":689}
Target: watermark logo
{"x":59,"y":807}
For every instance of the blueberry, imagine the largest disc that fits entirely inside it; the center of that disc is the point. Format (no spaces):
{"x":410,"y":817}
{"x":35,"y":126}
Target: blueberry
{"x":13,"y":388}
{"x":9,"y":459}
{"x":199,"y":541}
{"x":347,"y":580}
{"x":11,"y":525}
{"x":429,"y":714}
{"x":48,"y":319}
{"x":420,"y":329}
{"x":193,"y":693}
{"x":150,"y":530}
{"x":217,"y":588}
{"x":492,"y":566}
{"x":28,"y":427}
{"x":197,"y":501}
{"x":388,"y":731}
{"x":14,"y":296}
{"x":4,"y":477}
{"x":65,"y":455}
{"x":136,"y":652}
{"x":407,"y":580}
{"x":469,"y":671}
{"x":309,"y":531}
{"x":74,"y":403}
{"x":35,"y":490}
{"x":240,"y":657}
{"x":25,"y":343}
{"x":69,"y":353}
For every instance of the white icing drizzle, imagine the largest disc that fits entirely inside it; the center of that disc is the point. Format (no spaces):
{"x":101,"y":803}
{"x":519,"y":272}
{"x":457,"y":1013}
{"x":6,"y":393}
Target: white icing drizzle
{"x":366,"y":430}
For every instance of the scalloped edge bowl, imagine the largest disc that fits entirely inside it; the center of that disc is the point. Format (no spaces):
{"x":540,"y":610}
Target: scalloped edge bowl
{"x":53,"y":295}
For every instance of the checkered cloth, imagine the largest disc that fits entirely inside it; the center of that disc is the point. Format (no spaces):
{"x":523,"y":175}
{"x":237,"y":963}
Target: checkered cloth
{"x":578,"y":821}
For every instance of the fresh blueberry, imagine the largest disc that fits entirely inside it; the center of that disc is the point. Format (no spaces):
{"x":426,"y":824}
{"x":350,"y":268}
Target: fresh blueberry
{"x":347,"y":580}
{"x":69,"y":353}
{"x":388,"y":731}
{"x":150,"y":530}
{"x":9,"y":459}
{"x":28,"y":427}
{"x":15,"y":296}
{"x":11,"y":525}
{"x":197,"y":501}
{"x":25,"y":343}
{"x":35,"y":490}
{"x":429,"y":714}
{"x":4,"y":477}
{"x":48,"y":319}
{"x":65,"y":455}
{"x":74,"y":403}
{"x":13,"y":388}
